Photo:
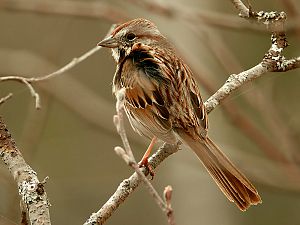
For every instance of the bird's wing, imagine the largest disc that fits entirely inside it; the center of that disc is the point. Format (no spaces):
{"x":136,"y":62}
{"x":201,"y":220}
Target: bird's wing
{"x":146,"y":93}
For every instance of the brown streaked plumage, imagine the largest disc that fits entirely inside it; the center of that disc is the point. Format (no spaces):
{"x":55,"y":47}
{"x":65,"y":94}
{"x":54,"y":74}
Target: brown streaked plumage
{"x":163,"y":100}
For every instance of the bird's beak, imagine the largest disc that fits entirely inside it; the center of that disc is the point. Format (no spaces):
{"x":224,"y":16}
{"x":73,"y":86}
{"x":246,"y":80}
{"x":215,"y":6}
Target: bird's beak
{"x":109,"y":42}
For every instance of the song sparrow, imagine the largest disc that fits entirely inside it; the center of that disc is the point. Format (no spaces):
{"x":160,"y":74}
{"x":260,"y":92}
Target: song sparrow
{"x":162,"y":100}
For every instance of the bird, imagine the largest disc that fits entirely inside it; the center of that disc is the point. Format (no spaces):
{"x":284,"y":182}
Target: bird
{"x":163,"y":102}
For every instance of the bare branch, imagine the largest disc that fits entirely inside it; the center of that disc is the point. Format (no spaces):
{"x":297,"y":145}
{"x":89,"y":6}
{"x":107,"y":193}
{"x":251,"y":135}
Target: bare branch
{"x":29,"y":80}
{"x":128,"y":157}
{"x":31,"y":190}
{"x":168,"y":197}
{"x":273,"y":20}
{"x":65,"y":68}
{"x":4,"y":99}
{"x":68,"y":66}
{"x":288,"y":64}
{"x":232,"y":83}
{"x":128,"y":186}
{"x":258,"y":100}
{"x":25,"y":81}
{"x":243,"y":10}
{"x":273,"y":61}
{"x":247,"y":126}
{"x":118,"y":120}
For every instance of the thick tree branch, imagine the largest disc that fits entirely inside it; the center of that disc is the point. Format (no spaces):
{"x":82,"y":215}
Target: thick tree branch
{"x":24,"y":217}
{"x":31,"y":190}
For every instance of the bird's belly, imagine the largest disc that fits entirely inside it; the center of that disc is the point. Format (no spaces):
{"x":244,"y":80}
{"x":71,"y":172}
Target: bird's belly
{"x":145,"y":123}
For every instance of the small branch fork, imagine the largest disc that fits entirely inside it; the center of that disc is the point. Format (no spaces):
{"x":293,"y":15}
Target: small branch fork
{"x":273,"y":60}
{"x":127,"y":186}
{"x":126,"y":154}
{"x":28,"y":81}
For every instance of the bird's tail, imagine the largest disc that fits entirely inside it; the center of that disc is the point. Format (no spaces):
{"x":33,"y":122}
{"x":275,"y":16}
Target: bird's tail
{"x":236,"y":187}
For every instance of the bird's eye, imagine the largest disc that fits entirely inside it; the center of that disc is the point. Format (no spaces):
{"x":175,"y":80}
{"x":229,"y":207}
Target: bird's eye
{"x":130,"y":36}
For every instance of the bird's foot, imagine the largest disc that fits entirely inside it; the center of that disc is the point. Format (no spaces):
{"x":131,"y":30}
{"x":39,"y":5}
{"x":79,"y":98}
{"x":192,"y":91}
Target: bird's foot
{"x":145,"y":163}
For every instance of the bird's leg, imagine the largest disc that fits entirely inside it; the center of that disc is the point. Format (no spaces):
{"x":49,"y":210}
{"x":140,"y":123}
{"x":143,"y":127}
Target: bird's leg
{"x":144,"y":160}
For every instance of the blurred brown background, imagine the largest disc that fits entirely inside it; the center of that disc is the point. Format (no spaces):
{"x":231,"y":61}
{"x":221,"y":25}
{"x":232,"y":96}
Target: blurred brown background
{"x":71,"y":139}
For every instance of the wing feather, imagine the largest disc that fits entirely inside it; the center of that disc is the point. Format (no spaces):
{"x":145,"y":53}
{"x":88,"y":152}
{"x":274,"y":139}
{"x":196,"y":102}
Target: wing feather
{"x":147,"y":105}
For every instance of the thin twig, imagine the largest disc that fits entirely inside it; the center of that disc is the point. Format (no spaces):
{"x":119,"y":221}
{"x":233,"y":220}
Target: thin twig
{"x":258,"y":100}
{"x":128,"y":186}
{"x":273,"y":61}
{"x":68,"y":66}
{"x":236,"y":116}
{"x":244,"y":124}
{"x":29,"y":80}
{"x":243,"y":10}
{"x":118,"y":120}
{"x":168,"y":197}
{"x":232,"y":83}
{"x":128,"y":157}
{"x":5,"y":98}
{"x":33,"y":93}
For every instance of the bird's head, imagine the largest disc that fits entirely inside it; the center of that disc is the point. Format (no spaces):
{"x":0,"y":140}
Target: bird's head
{"x":124,"y":36}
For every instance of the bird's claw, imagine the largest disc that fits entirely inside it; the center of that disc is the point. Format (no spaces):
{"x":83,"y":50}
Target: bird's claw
{"x":144,"y":163}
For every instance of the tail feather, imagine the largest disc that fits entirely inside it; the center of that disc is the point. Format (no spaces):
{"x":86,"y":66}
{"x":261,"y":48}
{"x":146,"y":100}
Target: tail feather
{"x":235,"y":186}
